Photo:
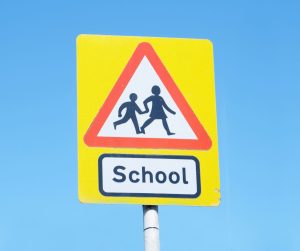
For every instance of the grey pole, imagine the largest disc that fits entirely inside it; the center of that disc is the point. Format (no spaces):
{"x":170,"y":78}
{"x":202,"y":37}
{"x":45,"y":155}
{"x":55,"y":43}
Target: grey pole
{"x":151,"y":228}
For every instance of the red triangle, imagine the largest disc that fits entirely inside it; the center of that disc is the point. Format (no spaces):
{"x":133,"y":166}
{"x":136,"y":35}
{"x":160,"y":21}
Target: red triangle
{"x":91,"y":138}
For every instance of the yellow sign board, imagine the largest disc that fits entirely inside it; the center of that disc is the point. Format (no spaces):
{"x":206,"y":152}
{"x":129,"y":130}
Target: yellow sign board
{"x":147,"y":130}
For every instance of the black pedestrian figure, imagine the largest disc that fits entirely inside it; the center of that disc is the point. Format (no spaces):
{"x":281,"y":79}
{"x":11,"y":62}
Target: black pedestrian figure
{"x":131,"y":107}
{"x":157,"y":110}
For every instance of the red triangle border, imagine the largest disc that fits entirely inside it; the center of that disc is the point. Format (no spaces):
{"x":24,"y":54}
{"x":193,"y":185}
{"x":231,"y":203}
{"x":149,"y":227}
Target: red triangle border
{"x":203,"y":141}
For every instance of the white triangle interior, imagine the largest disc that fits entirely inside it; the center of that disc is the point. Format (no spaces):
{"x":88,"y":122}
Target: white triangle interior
{"x":141,"y":83}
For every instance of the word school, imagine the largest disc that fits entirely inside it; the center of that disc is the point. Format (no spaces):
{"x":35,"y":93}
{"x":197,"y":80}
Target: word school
{"x":160,"y":176}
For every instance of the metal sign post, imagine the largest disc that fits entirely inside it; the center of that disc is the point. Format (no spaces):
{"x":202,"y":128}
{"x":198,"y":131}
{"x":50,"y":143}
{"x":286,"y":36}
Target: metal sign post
{"x":147,"y":124}
{"x":151,"y":228}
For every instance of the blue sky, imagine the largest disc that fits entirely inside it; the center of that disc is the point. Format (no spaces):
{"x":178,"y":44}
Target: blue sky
{"x":256,"y":46}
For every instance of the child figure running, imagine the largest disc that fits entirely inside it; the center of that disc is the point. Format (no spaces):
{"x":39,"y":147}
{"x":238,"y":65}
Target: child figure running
{"x":157,"y":110}
{"x":131,"y":107}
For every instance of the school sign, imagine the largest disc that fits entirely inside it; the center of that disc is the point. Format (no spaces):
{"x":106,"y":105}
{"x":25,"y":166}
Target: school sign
{"x":147,"y":131}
